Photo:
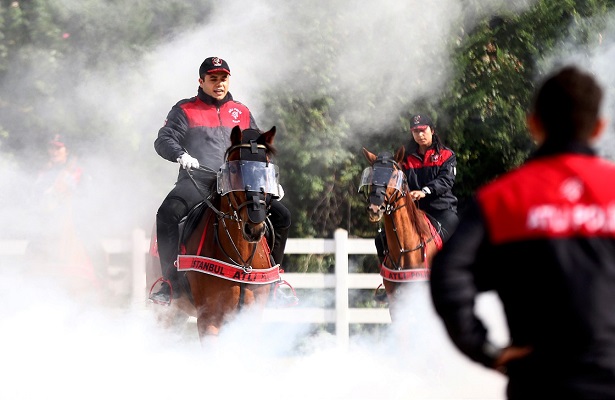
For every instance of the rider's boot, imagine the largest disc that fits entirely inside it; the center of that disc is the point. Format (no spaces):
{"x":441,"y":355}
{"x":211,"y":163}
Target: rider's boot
{"x":380,"y":294}
{"x":168,"y":244}
{"x":279,"y":245}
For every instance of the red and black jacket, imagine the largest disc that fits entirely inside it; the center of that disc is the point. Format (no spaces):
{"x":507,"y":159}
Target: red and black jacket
{"x":202,"y":126}
{"x":436,"y":172}
{"x":543,"y":238}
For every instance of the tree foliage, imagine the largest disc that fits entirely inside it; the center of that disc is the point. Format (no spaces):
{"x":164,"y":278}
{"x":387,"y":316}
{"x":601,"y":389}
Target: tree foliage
{"x":47,"y":46}
{"x":497,"y":66}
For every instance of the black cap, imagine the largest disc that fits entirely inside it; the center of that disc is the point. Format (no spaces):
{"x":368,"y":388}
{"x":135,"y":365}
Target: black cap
{"x":420,"y":121}
{"x":213,"y":64}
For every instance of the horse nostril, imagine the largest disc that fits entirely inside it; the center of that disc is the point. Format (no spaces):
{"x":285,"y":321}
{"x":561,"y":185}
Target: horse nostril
{"x":247,"y":228}
{"x":373,"y":208}
{"x":253,"y":233}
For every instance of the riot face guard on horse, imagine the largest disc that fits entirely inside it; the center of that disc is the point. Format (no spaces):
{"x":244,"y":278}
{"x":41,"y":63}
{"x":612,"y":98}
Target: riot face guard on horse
{"x":259,"y":182}
{"x":382,"y":185}
{"x":410,"y":240}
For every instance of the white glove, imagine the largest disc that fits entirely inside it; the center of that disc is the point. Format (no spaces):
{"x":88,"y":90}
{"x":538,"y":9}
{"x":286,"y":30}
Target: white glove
{"x":280,"y":192}
{"x":188,"y":162}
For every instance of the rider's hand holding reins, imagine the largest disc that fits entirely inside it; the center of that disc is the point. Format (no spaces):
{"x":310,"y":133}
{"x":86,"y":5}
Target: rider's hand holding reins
{"x":417,"y":194}
{"x":188,"y":162}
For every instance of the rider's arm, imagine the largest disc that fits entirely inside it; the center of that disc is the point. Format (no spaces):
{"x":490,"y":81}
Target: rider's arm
{"x":168,"y":144}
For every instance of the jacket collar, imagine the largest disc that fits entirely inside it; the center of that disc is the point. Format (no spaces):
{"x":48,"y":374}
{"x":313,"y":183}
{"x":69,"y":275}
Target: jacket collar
{"x":207,"y":99}
{"x":551,"y":149}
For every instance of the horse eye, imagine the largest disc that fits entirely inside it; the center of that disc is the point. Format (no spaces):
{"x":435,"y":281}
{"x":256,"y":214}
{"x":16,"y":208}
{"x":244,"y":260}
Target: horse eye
{"x":232,"y":169}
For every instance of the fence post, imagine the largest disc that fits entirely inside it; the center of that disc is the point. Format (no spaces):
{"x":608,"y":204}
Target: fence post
{"x":341,"y":288}
{"x":139,"y":243}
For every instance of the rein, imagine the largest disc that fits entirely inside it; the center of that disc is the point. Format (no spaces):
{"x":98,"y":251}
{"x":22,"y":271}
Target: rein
{"x":206,"y":196}
{"x":391,"y":207}
{"x":245,"y":264}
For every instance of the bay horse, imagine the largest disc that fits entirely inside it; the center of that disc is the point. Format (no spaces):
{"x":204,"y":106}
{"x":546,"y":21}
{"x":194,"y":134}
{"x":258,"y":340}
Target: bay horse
{"x":411,"y":238}
{"x":225,"y":257}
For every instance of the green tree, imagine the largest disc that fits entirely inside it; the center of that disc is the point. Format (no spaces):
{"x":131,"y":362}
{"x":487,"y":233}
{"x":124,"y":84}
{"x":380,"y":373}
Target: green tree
{"x":497,"y":65}
{"x":50,"y":45}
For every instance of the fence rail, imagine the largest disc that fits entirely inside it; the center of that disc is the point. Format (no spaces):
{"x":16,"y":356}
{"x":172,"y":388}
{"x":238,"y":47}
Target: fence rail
{"x":341,"y":280}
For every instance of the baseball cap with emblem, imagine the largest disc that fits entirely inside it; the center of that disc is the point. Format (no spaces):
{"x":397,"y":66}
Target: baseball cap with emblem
{"x":213,"y":64}
{"x":420,"y":121}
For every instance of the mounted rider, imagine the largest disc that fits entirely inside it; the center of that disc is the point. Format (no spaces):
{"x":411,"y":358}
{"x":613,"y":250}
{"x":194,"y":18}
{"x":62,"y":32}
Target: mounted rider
{"x":196,"y":134}
{"x":430,"y":169}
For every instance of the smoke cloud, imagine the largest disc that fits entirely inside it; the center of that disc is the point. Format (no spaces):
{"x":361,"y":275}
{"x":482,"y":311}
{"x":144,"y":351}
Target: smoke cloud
{"x":80,"y":349}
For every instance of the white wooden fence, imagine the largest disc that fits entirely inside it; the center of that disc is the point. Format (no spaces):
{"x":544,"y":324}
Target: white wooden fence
{"x":341,"y":280}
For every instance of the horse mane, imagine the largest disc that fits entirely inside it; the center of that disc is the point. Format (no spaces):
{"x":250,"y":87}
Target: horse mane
{"x":419,"y":221}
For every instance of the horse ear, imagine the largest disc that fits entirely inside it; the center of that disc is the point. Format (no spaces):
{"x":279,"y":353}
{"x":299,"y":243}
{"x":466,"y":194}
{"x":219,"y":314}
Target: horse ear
{"x":236,"y":135}
{"x":269,"y":135}
{"x":399,"y":154}
{"x":371,"y":157}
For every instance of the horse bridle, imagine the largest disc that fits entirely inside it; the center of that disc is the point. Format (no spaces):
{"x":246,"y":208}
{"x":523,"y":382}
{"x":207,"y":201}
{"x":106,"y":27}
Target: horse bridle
{"x":235,"y":207}
{"x":254,"y":199}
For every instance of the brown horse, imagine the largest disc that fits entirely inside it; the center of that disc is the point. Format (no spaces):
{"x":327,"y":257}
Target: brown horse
{"x":411,"y":239}
{"x":226,"y":257}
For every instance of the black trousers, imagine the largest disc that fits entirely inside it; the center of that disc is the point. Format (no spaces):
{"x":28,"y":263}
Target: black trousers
{"x":181,"y":199}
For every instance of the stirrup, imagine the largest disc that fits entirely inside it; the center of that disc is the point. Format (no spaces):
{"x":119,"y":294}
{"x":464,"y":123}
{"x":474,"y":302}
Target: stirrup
{"x":157,"y":301}
{"x":380,"y":295}
{"x":282,"y":299}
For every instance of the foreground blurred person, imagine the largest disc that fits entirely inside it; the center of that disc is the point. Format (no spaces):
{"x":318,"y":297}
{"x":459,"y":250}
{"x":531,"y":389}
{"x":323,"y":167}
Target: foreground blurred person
{"x":542,"y":237}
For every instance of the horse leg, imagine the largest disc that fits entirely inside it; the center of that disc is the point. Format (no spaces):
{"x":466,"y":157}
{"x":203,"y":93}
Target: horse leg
{"x":208,"y":330}
{"x":208,"y":342}
{"x":215,"y":299}
{"x":206,"y":325}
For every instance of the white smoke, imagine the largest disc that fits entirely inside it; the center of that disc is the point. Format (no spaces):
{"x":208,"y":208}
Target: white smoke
{"x":54,"y":345}
{"x":78,"y":352}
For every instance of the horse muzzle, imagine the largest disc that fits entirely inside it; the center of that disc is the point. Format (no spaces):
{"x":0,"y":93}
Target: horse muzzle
{"x":253,"y":232}
{"x":254,"y":229}
{"x":375,"y":212}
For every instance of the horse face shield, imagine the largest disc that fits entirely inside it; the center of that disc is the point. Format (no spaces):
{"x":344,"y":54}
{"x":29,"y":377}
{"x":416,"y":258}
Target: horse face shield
{"x":248,"y":176}
{"x":377,"y":179}
{"x":255,"y":178}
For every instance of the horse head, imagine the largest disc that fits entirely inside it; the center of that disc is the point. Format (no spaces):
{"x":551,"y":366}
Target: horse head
{"x":383,"y":183}
{"x":249,"y":180}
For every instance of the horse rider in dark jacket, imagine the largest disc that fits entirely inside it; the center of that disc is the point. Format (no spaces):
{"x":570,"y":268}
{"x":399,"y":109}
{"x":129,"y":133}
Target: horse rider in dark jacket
{"x":197,"y":133}
{"x":430,"y":169}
